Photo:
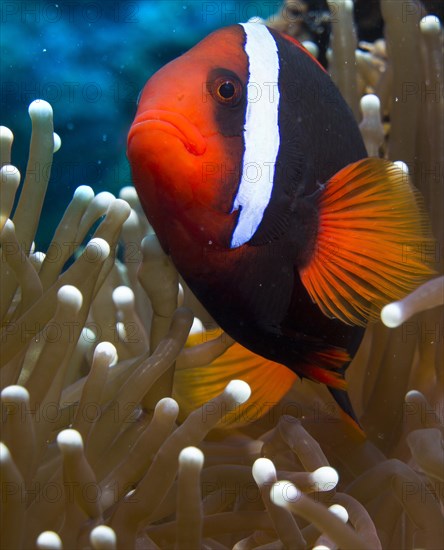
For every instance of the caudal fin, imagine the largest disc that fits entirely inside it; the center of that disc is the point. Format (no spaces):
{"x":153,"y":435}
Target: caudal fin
{"x":343,"y":400}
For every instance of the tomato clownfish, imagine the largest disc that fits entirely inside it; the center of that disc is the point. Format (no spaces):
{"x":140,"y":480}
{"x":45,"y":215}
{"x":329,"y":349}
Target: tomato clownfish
{"x":253,"y":173}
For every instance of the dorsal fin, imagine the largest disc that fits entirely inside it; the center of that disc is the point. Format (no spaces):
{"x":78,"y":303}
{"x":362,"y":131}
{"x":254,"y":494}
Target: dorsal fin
{"x":298,"y":44}
{"x":372,"y":242}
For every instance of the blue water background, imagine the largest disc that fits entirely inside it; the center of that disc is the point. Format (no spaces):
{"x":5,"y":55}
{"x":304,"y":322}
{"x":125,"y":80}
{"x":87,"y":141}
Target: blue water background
{"x":90,"y":60}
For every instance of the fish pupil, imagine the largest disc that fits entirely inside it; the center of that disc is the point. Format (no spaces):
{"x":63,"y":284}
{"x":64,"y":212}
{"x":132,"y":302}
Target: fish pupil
{"x":227,"y":90}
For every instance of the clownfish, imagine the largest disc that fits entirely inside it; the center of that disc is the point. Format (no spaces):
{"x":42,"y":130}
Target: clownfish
{"x":253,"y":173}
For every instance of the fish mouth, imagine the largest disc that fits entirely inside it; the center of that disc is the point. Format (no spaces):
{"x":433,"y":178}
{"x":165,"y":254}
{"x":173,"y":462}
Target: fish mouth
{"x":171,"y":123}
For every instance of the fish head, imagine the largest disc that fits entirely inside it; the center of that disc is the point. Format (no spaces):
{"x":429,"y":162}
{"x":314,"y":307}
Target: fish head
{"x":186,"y":142}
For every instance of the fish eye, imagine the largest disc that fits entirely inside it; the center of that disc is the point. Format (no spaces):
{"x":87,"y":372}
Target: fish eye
{"x":227,"y":90}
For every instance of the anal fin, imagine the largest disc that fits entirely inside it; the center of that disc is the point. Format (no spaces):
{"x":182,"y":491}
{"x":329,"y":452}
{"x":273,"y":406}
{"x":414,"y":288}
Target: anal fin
{"x":328,"y":367}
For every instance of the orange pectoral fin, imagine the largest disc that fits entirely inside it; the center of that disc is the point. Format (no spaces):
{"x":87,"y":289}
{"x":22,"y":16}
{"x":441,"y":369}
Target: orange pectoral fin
{"x":372,"y":244}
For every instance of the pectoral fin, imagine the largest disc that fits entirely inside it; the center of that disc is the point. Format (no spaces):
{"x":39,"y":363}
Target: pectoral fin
{"x":372,"y":242}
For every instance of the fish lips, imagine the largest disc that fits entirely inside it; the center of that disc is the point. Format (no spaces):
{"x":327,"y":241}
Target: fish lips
{"x":173,"y":124}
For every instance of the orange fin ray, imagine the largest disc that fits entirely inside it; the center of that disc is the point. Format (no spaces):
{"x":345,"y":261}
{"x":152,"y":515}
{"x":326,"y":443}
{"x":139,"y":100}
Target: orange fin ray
{"x":327,"y":367}
{"x":269,"y":382}
{"x":373,"y":245}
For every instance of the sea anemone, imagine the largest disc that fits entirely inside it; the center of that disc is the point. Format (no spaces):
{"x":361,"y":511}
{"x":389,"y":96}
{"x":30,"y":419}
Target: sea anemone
{"x":108,"y":439}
